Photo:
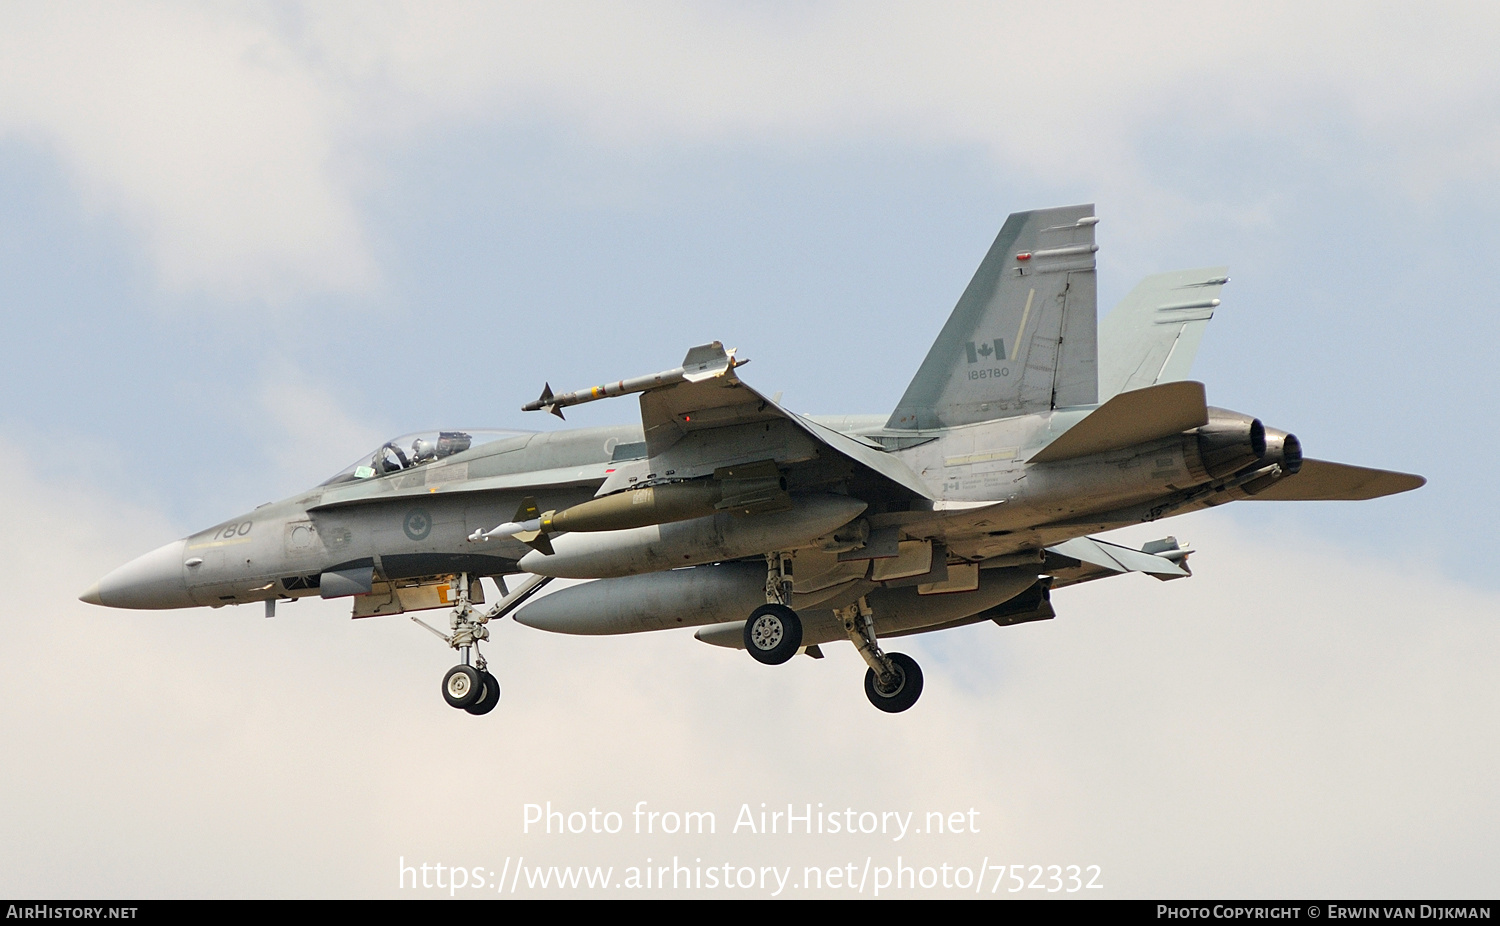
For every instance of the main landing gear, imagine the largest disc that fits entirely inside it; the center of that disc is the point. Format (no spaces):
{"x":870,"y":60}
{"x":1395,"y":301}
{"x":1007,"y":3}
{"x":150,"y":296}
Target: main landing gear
{"x":469,"y":686}
{"x":894,"y":680}
{"x":773,"y":634}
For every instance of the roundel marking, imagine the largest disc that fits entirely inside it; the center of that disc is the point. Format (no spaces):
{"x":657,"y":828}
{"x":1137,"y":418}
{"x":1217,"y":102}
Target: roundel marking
{"x":418,"y":524}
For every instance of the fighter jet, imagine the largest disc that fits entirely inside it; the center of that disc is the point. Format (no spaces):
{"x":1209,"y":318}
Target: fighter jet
{"x":1028,"y":428}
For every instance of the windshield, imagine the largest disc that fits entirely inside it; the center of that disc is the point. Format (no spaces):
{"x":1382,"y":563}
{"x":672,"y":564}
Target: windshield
{"x":418,"y":449}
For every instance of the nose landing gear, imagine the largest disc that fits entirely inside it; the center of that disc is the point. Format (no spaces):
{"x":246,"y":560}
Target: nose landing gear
{"x":466,"y":686}
{"x":473,"y":690}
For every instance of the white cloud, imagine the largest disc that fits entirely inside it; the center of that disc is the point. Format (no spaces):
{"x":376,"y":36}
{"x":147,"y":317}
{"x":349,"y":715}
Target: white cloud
{"x":1287,"y":722}
{"x":240,"y":139}
{"x":203,"y":129}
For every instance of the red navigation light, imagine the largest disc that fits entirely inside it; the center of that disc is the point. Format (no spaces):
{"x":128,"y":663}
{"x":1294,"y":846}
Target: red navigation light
{"x":1024,"y":255}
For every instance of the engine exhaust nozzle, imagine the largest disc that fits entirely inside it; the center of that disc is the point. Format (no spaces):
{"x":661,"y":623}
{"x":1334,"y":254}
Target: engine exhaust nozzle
{"x":1229,"y":442}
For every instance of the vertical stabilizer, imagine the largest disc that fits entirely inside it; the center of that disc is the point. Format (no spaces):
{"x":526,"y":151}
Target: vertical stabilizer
{"x":1153,"y":334}
{"x":1024,"y":336}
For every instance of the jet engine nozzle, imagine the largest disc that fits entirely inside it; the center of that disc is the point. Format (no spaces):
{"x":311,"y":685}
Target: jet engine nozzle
{"x":1285,"y":449}
{"x":1228,"y":443}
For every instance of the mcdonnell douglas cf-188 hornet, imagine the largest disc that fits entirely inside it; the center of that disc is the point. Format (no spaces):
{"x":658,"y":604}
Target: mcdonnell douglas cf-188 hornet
{"x":1028,"y":428}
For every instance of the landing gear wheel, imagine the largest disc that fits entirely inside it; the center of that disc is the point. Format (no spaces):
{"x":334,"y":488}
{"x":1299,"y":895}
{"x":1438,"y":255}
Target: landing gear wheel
{"x":462,"y":686}
{"x":489,"y":699}
{"x":773,"y":633}
{"x":907,"y":688}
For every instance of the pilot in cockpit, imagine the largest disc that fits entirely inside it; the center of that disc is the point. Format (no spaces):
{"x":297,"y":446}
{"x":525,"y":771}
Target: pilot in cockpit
{"x":425,"y":448}
{"x":390,"y":458}
{"x":423,"y":451}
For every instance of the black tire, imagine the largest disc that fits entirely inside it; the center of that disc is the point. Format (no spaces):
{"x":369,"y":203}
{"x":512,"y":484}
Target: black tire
{"x":489,"y":699}
{"x":773,"y":633}
{"x":908,"y":686}
{"x":462,"y":686}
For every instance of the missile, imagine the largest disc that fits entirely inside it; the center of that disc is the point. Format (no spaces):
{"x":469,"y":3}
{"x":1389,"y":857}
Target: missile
{"x":703,"y":362}
{"x":712,"y":539}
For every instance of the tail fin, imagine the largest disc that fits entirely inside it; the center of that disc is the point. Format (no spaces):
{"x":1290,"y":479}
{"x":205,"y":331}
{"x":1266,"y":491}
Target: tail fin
{"x":1023,"y":337}
{"x":1153,"y":334}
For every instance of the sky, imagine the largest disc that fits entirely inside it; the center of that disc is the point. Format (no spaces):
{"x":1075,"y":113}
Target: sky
{"x":241,"y":244}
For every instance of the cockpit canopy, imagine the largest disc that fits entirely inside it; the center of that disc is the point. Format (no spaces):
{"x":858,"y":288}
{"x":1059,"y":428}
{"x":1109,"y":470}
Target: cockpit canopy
{"x":417,"y":449}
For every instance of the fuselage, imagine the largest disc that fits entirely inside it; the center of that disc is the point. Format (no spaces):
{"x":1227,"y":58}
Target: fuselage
{"x":415,"y":523}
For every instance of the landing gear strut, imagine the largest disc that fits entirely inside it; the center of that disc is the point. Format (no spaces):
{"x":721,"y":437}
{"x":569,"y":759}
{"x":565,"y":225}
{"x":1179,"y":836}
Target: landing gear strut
{"x":894,"y":680}
{"x":773,"y":634}
{"x":469,"y":685}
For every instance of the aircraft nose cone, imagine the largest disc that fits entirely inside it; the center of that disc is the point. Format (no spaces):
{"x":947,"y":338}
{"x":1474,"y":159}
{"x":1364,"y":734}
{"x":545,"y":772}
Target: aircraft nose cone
{"x":152,"y":581}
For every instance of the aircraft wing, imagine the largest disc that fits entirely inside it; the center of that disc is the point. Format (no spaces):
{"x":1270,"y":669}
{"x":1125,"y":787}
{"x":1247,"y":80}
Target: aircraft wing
{"x":1321,"y":481}
{"x":701,"y":418}
{"x":866,"y":454}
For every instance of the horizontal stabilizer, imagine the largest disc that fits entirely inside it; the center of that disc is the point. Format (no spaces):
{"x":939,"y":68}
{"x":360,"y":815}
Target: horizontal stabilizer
{"x":1321,"y":481}
{"x":1131,"y":418}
